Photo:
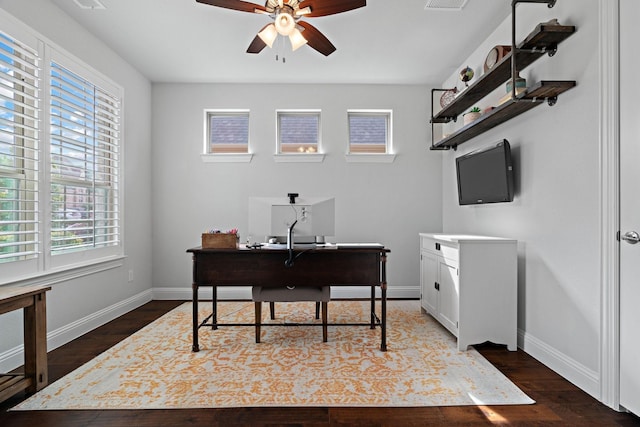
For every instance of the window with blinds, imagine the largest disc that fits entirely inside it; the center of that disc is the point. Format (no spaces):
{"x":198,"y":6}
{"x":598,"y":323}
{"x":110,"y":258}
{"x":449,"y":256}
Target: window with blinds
{"x":19,"y":158}
{"x":369,"y":131}
{"x":84,"y":160}
{"x":228,"y":131}
{"x":298,"y":131}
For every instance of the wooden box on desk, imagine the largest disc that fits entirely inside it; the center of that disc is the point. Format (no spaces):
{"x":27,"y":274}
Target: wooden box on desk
{"x":220,"y":241}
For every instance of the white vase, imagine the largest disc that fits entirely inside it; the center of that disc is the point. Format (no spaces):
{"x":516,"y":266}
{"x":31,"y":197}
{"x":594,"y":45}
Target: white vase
{"x":470,"y":117}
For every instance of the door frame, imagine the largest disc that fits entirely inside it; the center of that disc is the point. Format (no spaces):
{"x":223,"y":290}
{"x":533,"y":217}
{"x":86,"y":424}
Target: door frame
{"x":609,"y":146}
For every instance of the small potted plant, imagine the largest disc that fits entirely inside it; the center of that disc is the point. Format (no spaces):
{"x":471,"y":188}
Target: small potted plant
{"x":471,"y":115}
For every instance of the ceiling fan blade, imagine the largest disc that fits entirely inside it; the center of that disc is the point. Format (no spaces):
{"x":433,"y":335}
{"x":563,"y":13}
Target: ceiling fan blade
{"x":257,"y":44}
{"x":331,"y":7}
{"x":316,"y":39}
{"x":242,"y":6}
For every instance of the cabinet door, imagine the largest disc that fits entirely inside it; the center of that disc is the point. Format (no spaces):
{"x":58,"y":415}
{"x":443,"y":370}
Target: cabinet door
{"x":449,"y":294}
{"x":428,"y":279}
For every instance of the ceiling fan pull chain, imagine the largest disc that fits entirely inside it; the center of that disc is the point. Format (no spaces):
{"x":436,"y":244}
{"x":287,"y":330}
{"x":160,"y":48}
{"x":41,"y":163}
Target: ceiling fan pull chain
{"x":283,"y":46}
{"x":279,"y":47}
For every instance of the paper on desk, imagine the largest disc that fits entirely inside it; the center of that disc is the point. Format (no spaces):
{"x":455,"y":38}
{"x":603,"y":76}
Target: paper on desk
{"x":360,"y":245}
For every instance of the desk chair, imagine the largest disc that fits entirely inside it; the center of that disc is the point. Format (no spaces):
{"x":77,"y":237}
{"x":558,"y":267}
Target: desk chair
{"x":321,"y":294}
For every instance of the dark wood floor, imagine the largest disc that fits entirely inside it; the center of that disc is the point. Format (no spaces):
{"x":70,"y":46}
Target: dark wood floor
{"x":558,"y":401}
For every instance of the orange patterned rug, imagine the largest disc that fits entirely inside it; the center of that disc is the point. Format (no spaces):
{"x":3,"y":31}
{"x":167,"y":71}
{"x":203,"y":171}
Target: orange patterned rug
{"x":155,"y":368}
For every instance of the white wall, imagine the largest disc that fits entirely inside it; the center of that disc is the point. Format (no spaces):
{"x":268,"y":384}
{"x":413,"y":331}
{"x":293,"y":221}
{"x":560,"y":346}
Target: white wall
{"x":555,"y":214}
{"x":79,"y":304}
{"x":387,"y":203}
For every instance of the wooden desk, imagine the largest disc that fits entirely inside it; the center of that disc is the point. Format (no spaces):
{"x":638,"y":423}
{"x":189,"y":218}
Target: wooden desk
{"x":33,"y":300}
{"x":266,"y":267}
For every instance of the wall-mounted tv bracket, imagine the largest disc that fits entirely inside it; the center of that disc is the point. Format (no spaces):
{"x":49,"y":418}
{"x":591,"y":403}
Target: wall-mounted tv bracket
{"x":514,"y":69}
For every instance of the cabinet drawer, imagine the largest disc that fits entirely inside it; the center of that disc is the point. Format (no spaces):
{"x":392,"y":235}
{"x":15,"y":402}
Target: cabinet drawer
{"x":447,"y":250}
{"x":428,"y":244}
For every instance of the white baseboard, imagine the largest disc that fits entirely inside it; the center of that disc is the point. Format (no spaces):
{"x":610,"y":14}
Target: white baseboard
{"x":14,"y":357}
{"x":244,"y":292}
{"x":574,"y":372}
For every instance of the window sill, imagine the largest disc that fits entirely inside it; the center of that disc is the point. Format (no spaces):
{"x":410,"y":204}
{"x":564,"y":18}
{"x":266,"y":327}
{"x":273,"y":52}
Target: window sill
{"x":370,"y":158}
{"x":64,"y":274}
{"x":299,"y":158}
{"x":227,"y":158}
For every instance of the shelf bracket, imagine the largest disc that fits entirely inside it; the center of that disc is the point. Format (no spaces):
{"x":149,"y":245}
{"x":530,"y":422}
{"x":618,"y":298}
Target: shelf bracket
{"x":548,"y":50}
{"x":514,"y":69}
{"x":550,"y":3}
{"x":551,"y":100}
{"x":448,"y":119}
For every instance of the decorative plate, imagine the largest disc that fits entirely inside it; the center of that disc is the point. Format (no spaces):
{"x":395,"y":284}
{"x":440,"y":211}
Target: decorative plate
{"x":448,"y":96}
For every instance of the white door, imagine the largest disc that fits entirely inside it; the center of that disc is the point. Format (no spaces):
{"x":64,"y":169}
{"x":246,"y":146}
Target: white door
{"x":629,"y":207}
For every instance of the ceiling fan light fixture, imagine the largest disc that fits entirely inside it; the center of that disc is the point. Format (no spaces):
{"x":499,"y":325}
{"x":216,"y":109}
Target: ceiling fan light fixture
{"x":268,"y":35}
{"x":297,"y":39}
{"x":285,"y":23}
{"x":288,"y":20}
{"x":303,"y":11}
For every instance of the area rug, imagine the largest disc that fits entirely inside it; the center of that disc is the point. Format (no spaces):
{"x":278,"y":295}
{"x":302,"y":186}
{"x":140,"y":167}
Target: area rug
{"x":155,"y":367}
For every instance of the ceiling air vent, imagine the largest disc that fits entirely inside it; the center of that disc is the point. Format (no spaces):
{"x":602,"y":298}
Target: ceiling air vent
{"x":89,"y":4}
{"x":445,"y":4}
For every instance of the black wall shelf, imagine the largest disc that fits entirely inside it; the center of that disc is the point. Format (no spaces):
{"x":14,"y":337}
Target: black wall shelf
{"x":544,"y":39}
{"x":544,"y":91}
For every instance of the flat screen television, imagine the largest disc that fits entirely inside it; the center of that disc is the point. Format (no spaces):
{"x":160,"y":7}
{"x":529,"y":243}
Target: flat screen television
{"x":485,"y":175}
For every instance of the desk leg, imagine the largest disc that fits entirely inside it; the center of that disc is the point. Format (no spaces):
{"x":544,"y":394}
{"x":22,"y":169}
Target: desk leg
{"x":383,"y":291}
{"x":373,"y":307}
{"x":195,"y":346}
{"x":35,"y":343}
{"x":214,"y":302}
{"x":383,"y":322}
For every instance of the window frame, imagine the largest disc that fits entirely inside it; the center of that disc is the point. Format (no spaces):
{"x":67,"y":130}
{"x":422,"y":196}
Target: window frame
{"x":90,"y":254}
{"x":291,"y":155}
{"x":371,"y":156}
{"x":45,"y":266}
{"x":208,"y":155}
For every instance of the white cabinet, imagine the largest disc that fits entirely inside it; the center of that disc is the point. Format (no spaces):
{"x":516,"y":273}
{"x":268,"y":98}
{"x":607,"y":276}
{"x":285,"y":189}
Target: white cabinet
{"x":469,"y":284}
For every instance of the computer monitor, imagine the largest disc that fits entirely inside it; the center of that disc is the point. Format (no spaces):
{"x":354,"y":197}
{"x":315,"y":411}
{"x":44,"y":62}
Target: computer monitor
{"x":270,"y":218}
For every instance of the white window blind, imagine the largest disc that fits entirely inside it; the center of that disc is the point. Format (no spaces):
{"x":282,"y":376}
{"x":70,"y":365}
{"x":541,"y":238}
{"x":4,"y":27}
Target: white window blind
{"x":84,"y":163}
{"x":228,"y":131}
{"x":19,"y":159}
{"x":369,"y":131}
{"x":298,"y":131}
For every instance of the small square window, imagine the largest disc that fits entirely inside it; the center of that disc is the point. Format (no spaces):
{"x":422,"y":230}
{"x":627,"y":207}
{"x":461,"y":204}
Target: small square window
{"x":227,"y":132}
{"x":298,"y":131}
{"x":369,"y":132}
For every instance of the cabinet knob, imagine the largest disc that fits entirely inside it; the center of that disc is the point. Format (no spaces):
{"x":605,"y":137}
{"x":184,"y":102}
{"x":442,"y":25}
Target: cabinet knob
{"x":436,"y":285}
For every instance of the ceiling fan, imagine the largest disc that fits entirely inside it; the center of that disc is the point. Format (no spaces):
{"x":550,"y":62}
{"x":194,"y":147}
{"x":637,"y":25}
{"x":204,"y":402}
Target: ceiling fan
{"x":286,"y":16}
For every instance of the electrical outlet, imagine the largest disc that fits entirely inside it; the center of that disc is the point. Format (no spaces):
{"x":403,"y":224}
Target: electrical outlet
{"x":131,"y":275}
